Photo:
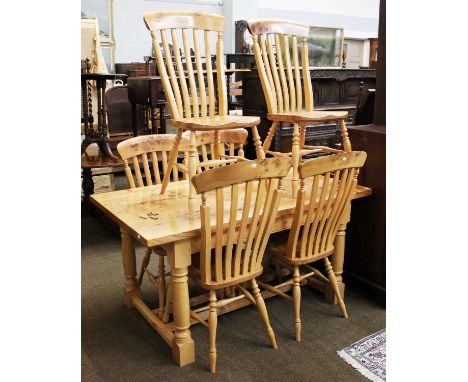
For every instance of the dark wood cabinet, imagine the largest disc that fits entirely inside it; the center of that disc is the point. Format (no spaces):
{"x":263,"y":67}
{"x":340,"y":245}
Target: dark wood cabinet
{"x":364,"y":266}
{"x":334,"y":89}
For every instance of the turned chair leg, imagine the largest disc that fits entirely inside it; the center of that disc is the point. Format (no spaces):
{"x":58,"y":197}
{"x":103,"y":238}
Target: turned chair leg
{"x":263,"y":312}
{"x":212,"y":324}
{"x":192,"y":164}
{"x":344,"y":136}
{"x":295,"y":160}
{"x":144,"y":264}
{"x":162,"y":285}
{"x":257,"y":143}
{"x":334,"y":284}
{"x":172,"y":161}
{"x":270,"y":136}
{"x":297,"y":302}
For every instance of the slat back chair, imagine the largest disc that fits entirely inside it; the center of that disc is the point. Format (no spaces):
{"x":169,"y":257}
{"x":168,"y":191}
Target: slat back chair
{"x":247,"y":193}
{"x":320,"y":209}
{"x":282,"y":58}
{"x":192,"y":106}
{"x":152,"y":153}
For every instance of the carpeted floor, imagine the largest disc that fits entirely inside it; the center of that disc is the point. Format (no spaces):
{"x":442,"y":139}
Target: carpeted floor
{"x":119,"y":345}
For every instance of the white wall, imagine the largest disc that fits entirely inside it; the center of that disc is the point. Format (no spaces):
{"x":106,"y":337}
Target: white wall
{"x":359,"y":18}
{"x":132,"y":38}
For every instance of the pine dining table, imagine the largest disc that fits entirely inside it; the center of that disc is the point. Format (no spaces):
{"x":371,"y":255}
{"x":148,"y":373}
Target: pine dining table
{"x":172,"y":220}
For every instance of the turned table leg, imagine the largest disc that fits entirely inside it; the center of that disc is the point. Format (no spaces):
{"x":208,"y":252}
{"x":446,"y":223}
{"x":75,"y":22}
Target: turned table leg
{"x":183,"y":346}
{"x":257,"y":143}
{"x":131,"y":287}
{"x":337,"y":260}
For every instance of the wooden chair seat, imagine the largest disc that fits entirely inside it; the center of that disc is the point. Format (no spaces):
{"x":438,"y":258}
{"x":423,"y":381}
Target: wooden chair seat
{"x":217,"y":122}
{"x":308,"y":116}
{"x":278,"y":247}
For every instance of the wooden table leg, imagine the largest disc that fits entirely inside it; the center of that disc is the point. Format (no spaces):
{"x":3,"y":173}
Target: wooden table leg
{"x":131,"y":287}
{"x":337,"y":260}
{"x":295,"y":153}
{"x":183,"y":346}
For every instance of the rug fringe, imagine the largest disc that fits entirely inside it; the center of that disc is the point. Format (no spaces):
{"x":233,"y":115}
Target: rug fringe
{"x":355,"y":364}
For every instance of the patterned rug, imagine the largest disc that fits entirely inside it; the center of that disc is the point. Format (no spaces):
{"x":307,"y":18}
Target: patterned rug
{"x":368,"y":356}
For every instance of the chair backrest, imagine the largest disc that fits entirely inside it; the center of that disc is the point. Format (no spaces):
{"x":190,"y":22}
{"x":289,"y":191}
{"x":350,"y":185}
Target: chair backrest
{"x":320,"y":209}
{"x":150,"y":148}
{"x":183,"y":99}
{"x":280,"y":74}
{"x":246,"y":192}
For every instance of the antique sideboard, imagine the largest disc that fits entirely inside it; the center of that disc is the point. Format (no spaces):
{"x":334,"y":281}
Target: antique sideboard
{"x":334,"y":89}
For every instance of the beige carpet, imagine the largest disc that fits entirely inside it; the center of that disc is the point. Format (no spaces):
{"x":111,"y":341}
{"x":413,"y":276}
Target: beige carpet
{"x":119,"y":345}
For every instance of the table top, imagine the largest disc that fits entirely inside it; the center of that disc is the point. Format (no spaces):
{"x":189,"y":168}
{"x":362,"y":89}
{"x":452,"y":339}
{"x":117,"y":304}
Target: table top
{"x":177,"y":216}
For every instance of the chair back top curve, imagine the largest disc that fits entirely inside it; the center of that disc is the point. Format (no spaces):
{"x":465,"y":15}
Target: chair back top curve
{"x":246,"y":203}
{"x":334,"y":180}
{"x":279,"y":48}
{"x":194,"y":30}
{"x":151,"y":151}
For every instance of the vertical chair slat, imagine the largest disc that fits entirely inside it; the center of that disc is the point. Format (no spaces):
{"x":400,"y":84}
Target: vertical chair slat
{"x":292,"y":88}
{"x":231,"y":231}
{"x":181,"y":74}
{"x":209,"y":75}
{"x":201,"y":78}
{"x":274,"y":70}
{"x":154,"y":158}
{"x":136,"y":169}
{"x":222,"y":104}
{"x":330,"y":209}
{"x":205,"y":249}
{"x":191,"y":78}
{"x":243,"y":227}
{"x":310,"y":215}
{"x":324,"y":218}
{"x":262,"y":223}
{"x":170,"y":68}
{"x":128,"y":172}
{"x":318,"y":214}
{"x":146,"y":168}
{"x":272,"y":212}
{"x":334,"y":218}
{"x":297,"y":221}
{"x":297,"y":73}
{"x":219,"y":234}
{"x":279,"y":58}
{"x":350,"y":187}
{"x":309,"y":98}
{"x":164,"y":78}
{"x":265,"y":71}
{"x":253,"y":225}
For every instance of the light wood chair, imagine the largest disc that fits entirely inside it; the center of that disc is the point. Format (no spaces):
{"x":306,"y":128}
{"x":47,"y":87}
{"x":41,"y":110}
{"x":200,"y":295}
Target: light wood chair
{"x":327,"y":186}
{"x":288,"y":88}
{"x":248,"y":194}
{"x":191,"y":107}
